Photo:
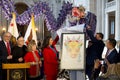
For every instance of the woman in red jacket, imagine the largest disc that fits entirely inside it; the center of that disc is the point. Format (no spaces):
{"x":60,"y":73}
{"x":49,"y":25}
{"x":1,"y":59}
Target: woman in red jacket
{"x":34,"y":59}
{"x":50,"y":55}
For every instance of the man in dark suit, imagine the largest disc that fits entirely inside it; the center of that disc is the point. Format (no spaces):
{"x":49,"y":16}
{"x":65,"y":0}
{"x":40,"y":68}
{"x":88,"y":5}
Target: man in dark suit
{"x":5,"y":53}
{"x":112,"y":54}
{"x":94,"y":51}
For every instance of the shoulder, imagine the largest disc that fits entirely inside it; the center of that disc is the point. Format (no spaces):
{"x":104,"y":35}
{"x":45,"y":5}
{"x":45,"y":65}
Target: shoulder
{"x":46,"y":49}
{"x":28,"y":54}
{"x":24,"y":46}
{"x":36,"y":51}
{"x":101,"y":42}
{"x":90,"y":13}
{"x":114,"y":52}
{"x":15,"y":47}
{"x":1,"y":42}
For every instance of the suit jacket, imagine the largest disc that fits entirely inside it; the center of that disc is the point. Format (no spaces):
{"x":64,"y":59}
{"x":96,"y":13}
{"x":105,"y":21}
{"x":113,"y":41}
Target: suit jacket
{"x":50,"y":60}
{"x":3,"y":59}
{"x":113,"y":57}
{"x":3,"y":52}
{"x":95,"y":50}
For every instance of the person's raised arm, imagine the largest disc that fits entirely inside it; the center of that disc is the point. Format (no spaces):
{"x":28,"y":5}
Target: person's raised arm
{"x":56,"y":40}
{"x":90,"y":34}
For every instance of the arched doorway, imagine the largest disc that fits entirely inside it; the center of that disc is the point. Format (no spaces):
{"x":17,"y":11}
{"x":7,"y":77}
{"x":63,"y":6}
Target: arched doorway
{"x":20,"y":8}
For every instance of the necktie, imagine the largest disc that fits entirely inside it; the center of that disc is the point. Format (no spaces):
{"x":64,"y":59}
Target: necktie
{"x":8,"y":48}
{"x":107,"y":53}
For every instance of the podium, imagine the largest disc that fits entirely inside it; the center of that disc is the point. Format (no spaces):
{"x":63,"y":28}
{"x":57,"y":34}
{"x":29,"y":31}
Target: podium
{"x":16,"y":71}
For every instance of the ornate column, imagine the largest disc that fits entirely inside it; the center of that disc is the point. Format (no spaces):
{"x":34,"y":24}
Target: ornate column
{"x":99,"y":14}
{"x":103,"y":16}
{"x":117,"y":20}
{"x":106,"y":26}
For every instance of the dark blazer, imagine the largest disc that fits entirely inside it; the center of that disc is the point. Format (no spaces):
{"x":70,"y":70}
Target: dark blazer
{"x":95,"y":50}
{"x":3,"y":52}
{"x":3,"y":59}
{"x":113,"y":57}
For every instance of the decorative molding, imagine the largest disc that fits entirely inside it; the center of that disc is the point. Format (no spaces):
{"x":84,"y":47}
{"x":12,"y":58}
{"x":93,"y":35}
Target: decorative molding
{"x":29,"y":4}
{"x":110,"y":4}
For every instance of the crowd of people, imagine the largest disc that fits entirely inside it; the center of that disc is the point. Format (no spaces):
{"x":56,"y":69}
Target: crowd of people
{"x":44,"y":60}
{"x":20,"y":53}
{"x":30,"y":53}
{"x":94,"y":61}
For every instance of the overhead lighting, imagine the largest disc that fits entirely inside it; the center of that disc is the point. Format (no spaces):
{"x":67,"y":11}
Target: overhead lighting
{"x":3,"y":29}
{"x":36,"y":29}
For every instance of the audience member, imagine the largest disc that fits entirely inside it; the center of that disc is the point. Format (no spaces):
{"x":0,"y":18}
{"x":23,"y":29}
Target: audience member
{"x":32,"y":56}
{"x":5,"y":53}
{"x":94,"y":51}
{"x":50,"y":55}
{"x":19,"y":50}
{"x":111,"y":56}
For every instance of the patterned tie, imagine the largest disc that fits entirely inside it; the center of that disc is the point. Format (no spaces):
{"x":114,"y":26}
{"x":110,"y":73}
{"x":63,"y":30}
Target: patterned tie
{"x":8,"y":48}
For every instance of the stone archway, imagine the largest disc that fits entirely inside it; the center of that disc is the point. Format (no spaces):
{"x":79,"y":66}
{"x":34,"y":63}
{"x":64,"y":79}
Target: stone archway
{"x":20,"y":8}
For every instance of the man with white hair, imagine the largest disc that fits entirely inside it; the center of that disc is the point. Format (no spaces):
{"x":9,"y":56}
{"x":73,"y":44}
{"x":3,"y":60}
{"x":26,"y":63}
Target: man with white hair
{"x":5,"y":53}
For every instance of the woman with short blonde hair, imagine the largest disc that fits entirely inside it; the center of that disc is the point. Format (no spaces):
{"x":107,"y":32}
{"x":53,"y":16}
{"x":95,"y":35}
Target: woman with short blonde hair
{"x":34,"y":59}
{"x":32,"y":43}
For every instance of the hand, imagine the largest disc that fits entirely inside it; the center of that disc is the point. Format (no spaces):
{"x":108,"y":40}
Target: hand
{"x":102,"y":69}
{"x":40,"y":63}
{"x":97,"y":64}
{"x":88,"y":27}
{"x":9,"y":57}
{"x":32,"y":63}
{"x":20,"y":59}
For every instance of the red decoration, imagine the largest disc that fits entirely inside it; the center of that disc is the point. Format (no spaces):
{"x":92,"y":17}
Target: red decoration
{"x":75,"y":12}
{"x":11,"y":24}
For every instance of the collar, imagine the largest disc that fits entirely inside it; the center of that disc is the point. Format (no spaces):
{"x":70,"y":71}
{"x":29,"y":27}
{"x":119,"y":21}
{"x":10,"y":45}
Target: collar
{"x":110,"y":51}
{"x":5,"y":43}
